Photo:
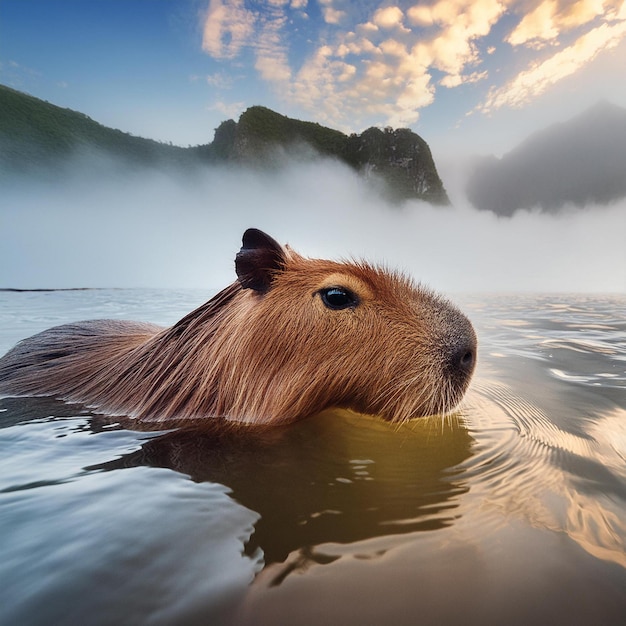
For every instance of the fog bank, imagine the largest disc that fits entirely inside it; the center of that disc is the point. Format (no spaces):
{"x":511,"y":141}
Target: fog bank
{"x":147,"y":229}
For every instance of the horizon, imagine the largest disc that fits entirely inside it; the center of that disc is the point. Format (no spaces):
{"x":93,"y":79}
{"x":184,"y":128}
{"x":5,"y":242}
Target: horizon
{"x":468,"y":77}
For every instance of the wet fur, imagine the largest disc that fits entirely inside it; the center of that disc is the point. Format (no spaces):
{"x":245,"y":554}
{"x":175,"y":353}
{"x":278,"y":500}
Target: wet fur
{"x":263,"y":350}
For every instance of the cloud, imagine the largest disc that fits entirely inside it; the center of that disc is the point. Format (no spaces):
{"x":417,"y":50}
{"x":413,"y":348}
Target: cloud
{"x":228,"y":26}
{"x":393,"y":78}
{"x":230,"y":109}
{"x":452,"y":80}
{"x":536,"y":25}
{"x":231,"y":27}
{"x":219,"y":80}
{"x":460,"y":24}
{"x":331,"y":14}
{"x":537,"y":79}
{"x":381,"y":63}
{"x":389,"y":17}
{"x":549,"y":19}
{"x":317,"y":82}
{"x":271,"y":53}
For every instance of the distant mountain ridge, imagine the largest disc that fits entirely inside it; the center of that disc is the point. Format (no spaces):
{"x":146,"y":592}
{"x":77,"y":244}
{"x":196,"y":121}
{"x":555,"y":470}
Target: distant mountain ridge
{"x":36,"y":137}
{"x":578,"y":162}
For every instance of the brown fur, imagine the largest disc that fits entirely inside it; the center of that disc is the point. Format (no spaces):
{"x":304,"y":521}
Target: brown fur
{"x":264,"y":350}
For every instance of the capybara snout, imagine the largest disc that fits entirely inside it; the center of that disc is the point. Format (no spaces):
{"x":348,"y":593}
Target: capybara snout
{"x":460,"y":345}
{"x":291,"y":337}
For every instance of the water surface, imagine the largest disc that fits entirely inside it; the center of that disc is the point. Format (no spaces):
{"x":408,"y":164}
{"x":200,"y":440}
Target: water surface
{"x":512,"y":510}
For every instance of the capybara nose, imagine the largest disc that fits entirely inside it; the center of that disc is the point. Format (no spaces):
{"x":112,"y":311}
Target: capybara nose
{"x":462,"y":356}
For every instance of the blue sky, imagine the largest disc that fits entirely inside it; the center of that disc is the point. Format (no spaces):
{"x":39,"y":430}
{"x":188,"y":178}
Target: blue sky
{"x":467,"y":76}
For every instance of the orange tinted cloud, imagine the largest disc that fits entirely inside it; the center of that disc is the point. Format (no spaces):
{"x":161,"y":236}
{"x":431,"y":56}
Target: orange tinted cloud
{"x":550,"y":18}
{"x":535,"y":80}
{"x":388,"y":61}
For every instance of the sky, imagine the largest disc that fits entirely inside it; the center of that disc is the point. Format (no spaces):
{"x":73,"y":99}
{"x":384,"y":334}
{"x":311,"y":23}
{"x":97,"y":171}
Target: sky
{"x":468,"y":76}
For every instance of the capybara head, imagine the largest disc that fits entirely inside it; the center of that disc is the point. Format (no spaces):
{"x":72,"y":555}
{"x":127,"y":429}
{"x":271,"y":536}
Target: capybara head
{"x":291,"y":337}
{"x":319,"y":333}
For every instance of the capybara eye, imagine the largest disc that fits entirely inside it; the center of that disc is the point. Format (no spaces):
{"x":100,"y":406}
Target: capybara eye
{"x":338,"y":298}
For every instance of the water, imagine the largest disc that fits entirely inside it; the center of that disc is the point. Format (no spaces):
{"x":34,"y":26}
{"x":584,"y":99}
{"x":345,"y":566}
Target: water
{"x":511,"y":511}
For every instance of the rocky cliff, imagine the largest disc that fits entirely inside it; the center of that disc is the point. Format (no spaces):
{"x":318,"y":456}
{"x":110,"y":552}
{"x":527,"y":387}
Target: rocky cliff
{"x":399,"y":159}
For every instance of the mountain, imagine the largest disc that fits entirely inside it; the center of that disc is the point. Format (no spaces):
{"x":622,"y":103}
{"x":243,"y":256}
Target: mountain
{"x":37,"y":137}
{"x":399,"y":157}
{"x":578,"y":162}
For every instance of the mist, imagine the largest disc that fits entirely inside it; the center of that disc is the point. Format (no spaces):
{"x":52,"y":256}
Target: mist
{"x":157,"y":229}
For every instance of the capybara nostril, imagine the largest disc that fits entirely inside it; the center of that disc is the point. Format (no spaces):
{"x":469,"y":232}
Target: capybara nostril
{"x":467,"y":360}
{"x":463,"y":356}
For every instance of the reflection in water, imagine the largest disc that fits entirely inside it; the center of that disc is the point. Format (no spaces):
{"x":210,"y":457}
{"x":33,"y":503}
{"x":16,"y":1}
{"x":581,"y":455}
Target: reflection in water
{"x":559,"y":379}
{"x":514,"y":513}
{"x":558,"y":464}
{"x":337,"y":478}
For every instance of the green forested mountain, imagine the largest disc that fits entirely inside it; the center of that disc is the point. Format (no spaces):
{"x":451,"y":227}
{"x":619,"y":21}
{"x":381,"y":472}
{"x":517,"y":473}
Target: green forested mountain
{"x":36,"y":135}
{"x":37,"y":138}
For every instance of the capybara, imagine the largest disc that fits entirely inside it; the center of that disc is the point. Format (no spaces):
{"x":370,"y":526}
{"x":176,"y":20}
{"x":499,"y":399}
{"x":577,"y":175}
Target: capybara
{"x":291,"y":337}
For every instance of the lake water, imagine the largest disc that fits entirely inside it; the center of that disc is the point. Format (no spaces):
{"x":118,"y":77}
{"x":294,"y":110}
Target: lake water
{"x":511,"y":511}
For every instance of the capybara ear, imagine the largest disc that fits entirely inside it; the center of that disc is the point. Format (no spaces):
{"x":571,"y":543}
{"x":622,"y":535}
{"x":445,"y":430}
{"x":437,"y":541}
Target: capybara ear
{"x":258,"y":260}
